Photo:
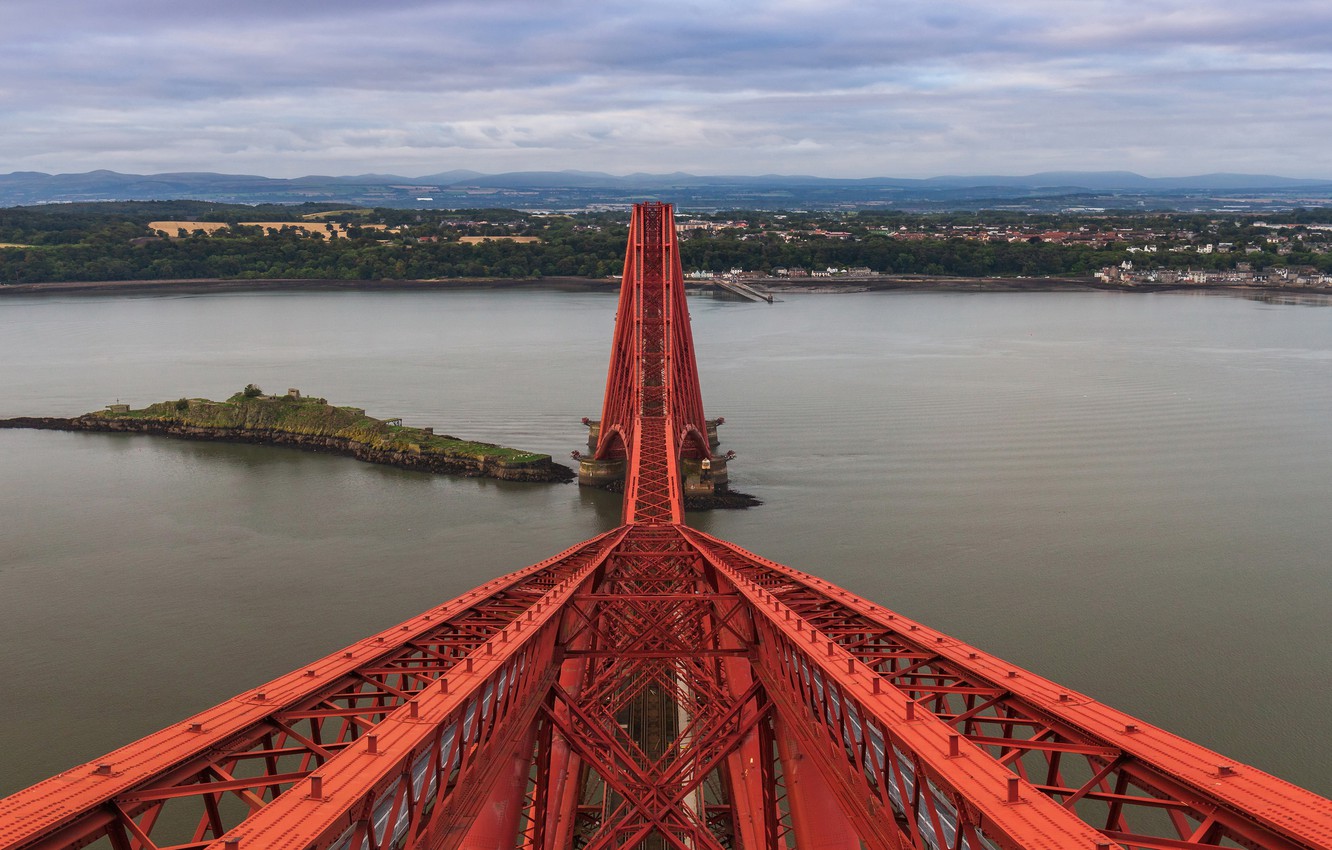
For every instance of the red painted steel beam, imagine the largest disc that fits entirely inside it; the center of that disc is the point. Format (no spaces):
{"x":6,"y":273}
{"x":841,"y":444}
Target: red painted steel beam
{"x":68,"y":810}
{"x":816,"y":814}
{"x":560,"y":774}
{"x":826,"y":702}
{"x":652,"y":411}
{"x":436,"y":759}
{"x":495,"y":826}
{"x":1254,"y":808}
{"x":631,"y":642}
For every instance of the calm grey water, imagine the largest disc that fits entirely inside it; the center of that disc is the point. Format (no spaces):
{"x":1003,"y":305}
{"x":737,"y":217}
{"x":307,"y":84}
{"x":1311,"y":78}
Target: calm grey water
{"x":1126,"y":493}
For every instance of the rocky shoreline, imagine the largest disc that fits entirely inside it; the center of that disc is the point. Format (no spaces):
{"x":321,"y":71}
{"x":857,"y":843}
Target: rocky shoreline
{"x":722,"y":500}
{"x":541,"y":470}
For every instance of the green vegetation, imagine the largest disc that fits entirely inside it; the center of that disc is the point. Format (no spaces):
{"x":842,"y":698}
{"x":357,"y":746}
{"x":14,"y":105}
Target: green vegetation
{"x":96,"y":242}
{"x":315,"y":417}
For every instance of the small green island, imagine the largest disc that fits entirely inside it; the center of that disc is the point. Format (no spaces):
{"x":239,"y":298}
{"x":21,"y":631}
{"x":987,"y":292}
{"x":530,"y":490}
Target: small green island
{"x":311,"y":424}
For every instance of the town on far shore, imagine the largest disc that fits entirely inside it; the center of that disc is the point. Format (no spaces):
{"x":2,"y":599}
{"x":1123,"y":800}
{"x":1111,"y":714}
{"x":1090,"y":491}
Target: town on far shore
{"x":1264,"y":248}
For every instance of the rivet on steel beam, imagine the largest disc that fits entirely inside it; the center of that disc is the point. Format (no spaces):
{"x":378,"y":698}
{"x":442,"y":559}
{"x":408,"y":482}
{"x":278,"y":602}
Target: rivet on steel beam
{"x":372,"y":744}
{"x":413,"y":710}
{"x":316,"y":787}
{"x":954,"y":746}
{"x":103,"y":770}
{"x":1013,"y":790}
{"x":196,"y":727}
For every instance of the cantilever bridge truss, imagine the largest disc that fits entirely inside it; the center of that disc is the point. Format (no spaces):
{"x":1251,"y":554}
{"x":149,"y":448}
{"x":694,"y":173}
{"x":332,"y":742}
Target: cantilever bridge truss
{"x":656,"y":687}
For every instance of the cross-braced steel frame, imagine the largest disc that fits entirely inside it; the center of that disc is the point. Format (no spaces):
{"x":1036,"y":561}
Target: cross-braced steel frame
{"x":656,"y":687}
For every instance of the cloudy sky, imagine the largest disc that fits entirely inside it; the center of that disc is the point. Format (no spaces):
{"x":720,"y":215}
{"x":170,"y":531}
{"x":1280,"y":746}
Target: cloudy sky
{"x":848,"y":89}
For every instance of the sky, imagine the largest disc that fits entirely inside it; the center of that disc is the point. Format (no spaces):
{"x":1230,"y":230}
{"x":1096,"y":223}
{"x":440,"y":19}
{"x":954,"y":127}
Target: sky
{"x":285,"y":88}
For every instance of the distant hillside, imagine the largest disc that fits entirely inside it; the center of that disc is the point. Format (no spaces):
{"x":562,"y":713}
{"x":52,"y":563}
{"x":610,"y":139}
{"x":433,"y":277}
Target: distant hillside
{"x":581,"y":189}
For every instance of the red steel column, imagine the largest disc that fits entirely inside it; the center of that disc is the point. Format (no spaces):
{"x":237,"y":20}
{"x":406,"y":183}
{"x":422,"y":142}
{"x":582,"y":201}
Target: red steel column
{"x":617,"y":406}
{"x":496,"y":825}
{"x":816,"y":815}
{"x":748,"y":768}
{"x":565,"y":767}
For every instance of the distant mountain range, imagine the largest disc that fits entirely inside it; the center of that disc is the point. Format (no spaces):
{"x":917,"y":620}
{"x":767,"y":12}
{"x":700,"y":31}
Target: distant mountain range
{"x":582,"y":189}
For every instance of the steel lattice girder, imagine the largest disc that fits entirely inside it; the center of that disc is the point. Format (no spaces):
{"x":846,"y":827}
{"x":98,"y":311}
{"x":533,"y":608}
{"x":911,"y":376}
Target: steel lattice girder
{"x":652,"y":370}
{"x":1117,"y":773}
{"x":435,"y":759}
{"x":308,"y":716}
{"x":669,"y":642}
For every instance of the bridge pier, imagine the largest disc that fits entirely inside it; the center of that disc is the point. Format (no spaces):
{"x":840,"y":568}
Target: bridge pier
{"x":703,"y":477}
{"x":599,"y":473}
{"x":699,"y":477}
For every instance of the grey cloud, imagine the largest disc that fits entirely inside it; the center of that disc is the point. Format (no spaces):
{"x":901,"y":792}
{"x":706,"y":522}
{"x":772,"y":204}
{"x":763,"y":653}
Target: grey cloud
{"x":828,"y":87}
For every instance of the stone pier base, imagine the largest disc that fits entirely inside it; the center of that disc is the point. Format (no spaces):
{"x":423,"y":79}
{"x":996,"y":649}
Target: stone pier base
{"x":699,"y":480}
{"x":696,"y":478}
{"x":599,"y":473}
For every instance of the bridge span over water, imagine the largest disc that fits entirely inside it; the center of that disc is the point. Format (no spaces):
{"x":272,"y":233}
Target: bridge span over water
{"x":657,"y":687}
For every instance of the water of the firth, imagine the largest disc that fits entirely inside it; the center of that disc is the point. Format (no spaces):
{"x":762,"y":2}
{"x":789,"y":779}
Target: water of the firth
{"x":1127,"y":493}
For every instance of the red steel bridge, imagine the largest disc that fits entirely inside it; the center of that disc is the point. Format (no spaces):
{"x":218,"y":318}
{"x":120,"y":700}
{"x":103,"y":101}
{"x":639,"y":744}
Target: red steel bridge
{"x":656,"y":687}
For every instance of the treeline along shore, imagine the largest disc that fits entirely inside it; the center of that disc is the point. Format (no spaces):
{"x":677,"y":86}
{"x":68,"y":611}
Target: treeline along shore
{"x":837,"y":285}
{"x":197,"y":286}
{"x":313,"y":425}
{"x":179,"y":242}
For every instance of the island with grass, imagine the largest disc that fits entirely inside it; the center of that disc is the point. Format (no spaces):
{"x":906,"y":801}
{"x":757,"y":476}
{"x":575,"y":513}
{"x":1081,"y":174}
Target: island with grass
{"x":311,"y":424}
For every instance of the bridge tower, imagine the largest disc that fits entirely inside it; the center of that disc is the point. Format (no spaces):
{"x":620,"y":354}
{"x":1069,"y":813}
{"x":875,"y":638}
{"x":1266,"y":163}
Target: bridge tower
{"x":652,"y":380}
{"x":655,"y":687}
